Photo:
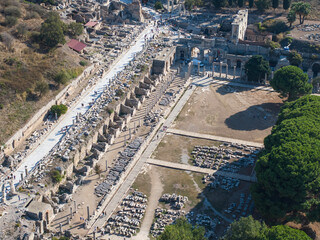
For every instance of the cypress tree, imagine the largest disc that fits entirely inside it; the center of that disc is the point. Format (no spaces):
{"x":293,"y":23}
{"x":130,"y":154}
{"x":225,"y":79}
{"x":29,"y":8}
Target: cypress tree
{"x":251,"y":3}
{"x":275,"y":4}
{"x":286,"y":4}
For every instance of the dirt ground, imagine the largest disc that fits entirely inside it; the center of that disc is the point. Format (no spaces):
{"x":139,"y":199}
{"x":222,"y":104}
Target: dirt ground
{"x":226,"y":111}
{"x":142,"y":182}
{"x":191,"y":185}
{"x":174,"y":148}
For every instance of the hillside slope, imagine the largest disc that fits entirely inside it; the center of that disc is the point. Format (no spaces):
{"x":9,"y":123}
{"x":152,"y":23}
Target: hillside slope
{"x":27,"y":69}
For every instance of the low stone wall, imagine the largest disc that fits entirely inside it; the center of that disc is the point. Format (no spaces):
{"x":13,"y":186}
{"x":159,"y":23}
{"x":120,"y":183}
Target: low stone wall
{"x":38,"y":117}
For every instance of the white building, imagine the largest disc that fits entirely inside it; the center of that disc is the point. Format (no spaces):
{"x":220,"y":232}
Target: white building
{"x":239,"y":25}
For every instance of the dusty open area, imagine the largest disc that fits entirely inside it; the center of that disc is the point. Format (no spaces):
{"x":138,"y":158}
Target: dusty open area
{"x":229,"y":111}
{"x":221,"y":111}
{"x":178,"y":149}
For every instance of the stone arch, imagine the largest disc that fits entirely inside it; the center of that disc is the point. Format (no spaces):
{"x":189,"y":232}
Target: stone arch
{"x":207,"y":55}
{"x":195,"y":52}
{"x":238,"y":63}
{"x":182,"y":54}
{"x":316,"y":69}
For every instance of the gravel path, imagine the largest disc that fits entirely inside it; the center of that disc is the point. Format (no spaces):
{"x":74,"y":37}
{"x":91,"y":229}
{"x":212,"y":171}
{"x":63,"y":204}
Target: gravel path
{"x":156,"y":192}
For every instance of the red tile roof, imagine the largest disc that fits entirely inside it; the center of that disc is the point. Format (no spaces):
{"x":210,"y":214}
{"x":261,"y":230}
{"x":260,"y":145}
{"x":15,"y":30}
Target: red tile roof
{"x":76,"y":45}
{"x":91,"y":24}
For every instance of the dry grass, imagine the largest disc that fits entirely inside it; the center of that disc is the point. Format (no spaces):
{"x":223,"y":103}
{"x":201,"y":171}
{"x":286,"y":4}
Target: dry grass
{"x":179,"y":182}
{"x":142,"y":183}
{"x":22,"y":67}
{"x":172,"y":147}
{"x":197,"y":177}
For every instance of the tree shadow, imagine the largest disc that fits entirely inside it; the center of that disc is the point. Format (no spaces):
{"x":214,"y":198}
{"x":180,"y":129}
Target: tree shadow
{"x":257,"y":117}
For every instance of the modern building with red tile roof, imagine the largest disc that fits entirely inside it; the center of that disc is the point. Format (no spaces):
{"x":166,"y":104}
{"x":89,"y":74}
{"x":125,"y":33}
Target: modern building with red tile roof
{"x":91,"y":24}
{"x":76,"y":45}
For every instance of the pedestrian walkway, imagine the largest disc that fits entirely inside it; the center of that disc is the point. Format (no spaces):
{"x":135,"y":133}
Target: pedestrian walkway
{"x":237,"y":84}
{"x":186,"y":167}
{"x":213,"y":137}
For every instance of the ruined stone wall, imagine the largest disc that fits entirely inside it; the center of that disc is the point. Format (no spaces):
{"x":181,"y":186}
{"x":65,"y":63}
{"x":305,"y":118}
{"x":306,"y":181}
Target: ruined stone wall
{"x":93,"y":141}
{"x":239,"y":25}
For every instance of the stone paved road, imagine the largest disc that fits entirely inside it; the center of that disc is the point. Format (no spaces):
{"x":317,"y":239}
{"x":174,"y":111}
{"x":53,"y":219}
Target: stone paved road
{"x":157,"y":137}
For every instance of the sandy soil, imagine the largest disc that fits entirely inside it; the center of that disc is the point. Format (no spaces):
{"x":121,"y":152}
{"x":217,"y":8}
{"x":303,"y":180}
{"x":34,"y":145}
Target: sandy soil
{"x":227,"y":111}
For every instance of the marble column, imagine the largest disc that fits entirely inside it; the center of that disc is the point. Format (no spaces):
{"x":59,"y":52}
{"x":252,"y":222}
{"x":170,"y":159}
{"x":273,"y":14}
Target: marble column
{"x":227,"y":68}
{"x":75,"y":206}
{"x":213,"y":70}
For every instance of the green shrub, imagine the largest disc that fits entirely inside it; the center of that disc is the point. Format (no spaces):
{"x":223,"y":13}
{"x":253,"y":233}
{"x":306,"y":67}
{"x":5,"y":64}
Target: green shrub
{"x":262,"y":5}
{"x":59,"y":109}
{"x":41,"y":88}
{"x":144,"y":68}
{"x":83,"y":63}
{"x":119,"y":93}
{"x":272,"y":44}
{"x":38,"y":9}
{"x":158,"y":5}
{"x":75,"y":29}
{"x":31,"y":15}
{"x":10,"y":21}
{"x":64,"y":76}
{"x":1,"y":106}
{"x":64,"y":238}
{"x":275,"y":26}
{"x":74,"y":72}
{"x":56,"y":176}
{"x":12,"y":11}
{"x":295,"y":58}
{"x":260,"y":27}
{"x":61,"y":77}
{"x":286,"y":41}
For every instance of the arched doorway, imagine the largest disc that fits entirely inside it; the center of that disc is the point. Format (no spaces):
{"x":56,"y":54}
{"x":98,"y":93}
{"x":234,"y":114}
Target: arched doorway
{"x":207,"y":56}
{"x":195,"y":52}
{"x":238,"y":63}
{"x":182,"y":55}
{"x":316,"y":69}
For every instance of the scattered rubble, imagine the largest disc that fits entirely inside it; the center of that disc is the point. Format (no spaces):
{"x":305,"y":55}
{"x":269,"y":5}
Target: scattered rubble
{"x":227,"y":157}
{"x":164,"y":217}
{"x":127,"y":220}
